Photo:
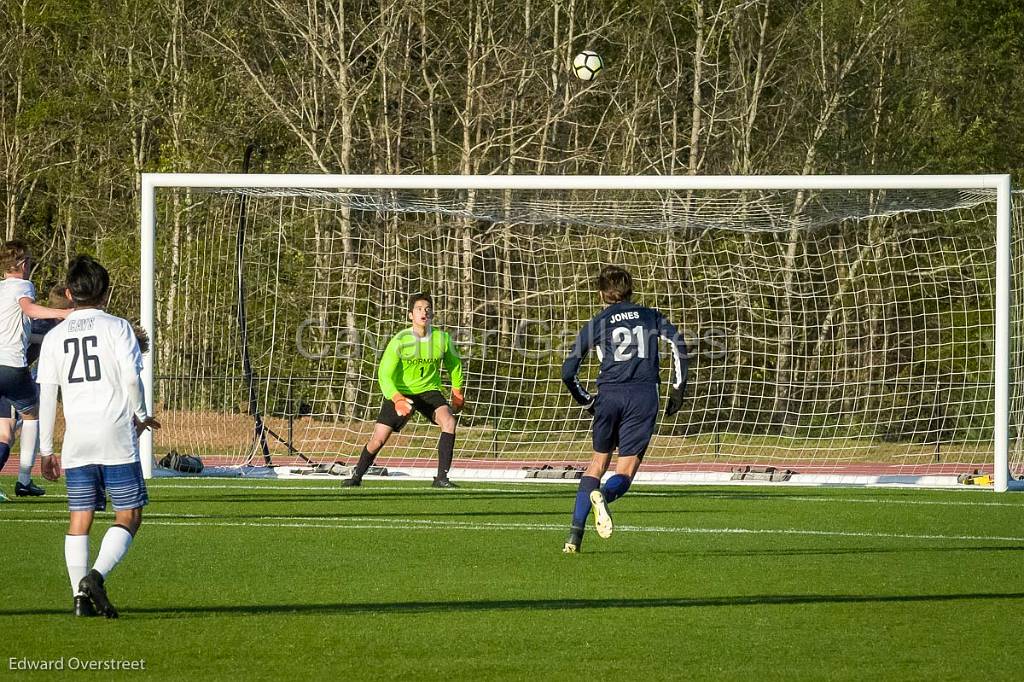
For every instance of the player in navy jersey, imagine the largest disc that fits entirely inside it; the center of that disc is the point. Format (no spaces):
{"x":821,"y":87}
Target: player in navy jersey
{"x":625,"y":336}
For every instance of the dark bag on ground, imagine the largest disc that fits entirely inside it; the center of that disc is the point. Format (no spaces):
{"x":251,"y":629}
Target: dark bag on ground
{"x":186,"y":464}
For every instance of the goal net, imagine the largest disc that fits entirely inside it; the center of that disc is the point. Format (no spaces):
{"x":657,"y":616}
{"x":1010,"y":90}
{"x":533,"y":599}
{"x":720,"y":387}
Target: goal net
{"x":837,"y":335}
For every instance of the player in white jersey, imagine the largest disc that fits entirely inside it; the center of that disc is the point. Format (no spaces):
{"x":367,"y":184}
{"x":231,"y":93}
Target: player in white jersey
{"x":17,"y":388}
{"x":94,"y":359}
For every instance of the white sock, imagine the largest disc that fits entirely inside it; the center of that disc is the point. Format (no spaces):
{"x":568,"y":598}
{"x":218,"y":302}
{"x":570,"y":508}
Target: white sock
{"x":115,"y":545}
{"x":29,"y":438}
{"x":76,"y":556}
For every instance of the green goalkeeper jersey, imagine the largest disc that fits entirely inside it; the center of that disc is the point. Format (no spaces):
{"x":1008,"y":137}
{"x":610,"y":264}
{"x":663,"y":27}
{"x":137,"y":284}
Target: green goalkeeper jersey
{"x":412,"y":364}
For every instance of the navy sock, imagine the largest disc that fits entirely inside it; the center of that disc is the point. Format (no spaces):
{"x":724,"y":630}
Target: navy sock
{"x":616,"y":487}
{"x":5,"y":452}
{"x":588,"y":484}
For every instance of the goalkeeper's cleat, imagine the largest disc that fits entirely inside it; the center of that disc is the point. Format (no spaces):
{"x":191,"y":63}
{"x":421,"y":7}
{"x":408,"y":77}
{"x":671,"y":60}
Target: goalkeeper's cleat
{"x":84,"y":607}
{"x":3,"y":498}
{"x":92,"y":587}
{"x":28,"y":490}
{"x":574,"y":542}
{"x":602,"y":517}
{"x":353,"y":482}
{"x":443,"y":483}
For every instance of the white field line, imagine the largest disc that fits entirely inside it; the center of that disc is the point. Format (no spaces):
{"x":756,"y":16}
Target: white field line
{"x":364,"y":523}
{"x":858,"y":500}
{"x":522,"y":488}
{"x":530,"y":487}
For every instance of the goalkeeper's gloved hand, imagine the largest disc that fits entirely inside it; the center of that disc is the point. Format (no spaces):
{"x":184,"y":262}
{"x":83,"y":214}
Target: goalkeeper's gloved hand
{"x":457,"y":400}
{"x":402,"y":405}
{"x":675,"y":401}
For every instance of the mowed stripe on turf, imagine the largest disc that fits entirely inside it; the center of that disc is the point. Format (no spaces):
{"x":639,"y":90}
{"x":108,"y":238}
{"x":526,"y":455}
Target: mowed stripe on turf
{"x":364,"y":523}
{"x":521,"y":488}
{"x":768,"y":497}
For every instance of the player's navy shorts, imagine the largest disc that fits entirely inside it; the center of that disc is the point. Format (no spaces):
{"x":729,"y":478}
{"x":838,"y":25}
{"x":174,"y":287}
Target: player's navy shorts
{"x":7,"y":410}
{"x":18,"y":387}
{"x":624,"y":417}
{"x":424,"y":403}
{"x":89,"y":485}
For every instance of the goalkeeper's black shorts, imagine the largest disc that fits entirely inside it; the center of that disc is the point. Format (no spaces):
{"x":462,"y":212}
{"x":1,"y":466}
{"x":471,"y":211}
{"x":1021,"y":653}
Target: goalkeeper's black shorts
{"x":424,"y":403}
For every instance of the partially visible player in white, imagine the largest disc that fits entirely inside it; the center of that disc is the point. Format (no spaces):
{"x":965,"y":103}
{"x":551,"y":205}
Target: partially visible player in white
{"x":93,"y":358}
{"x":17,"y":388}
{"x":10,"y":421}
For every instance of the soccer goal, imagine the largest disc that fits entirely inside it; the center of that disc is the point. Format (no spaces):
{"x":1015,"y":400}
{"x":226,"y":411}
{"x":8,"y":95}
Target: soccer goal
{"x":842,"y":329}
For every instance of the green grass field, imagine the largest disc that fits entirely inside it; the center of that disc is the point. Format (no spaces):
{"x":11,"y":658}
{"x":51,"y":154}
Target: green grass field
{"x":302,"y":580}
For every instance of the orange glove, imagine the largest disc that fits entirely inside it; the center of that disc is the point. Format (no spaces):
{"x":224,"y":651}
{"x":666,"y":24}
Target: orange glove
{"x":457,"y":400}
{"x":402,"y":405}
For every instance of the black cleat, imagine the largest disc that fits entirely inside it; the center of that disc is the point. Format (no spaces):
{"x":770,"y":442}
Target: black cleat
{"x":353,"y":482}
{"x":83,"y":607}
{"x":28,"y":490}
{"x":574,"y":542}
{"x":92,"y":587}
{"x":443,"y":483}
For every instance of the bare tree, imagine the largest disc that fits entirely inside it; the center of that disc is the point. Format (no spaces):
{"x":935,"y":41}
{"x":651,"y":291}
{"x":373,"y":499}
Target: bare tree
{"x":25,"y":149}
{"x":837,"y":56}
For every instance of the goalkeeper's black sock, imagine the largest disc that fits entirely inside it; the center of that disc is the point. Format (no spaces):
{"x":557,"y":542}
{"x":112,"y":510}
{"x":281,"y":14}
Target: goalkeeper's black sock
{"x":365,"y":461}
{"x":445,"y":453}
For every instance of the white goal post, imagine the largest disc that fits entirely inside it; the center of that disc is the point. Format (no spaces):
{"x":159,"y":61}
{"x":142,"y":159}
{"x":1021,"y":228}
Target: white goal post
{"x":999,"y":185}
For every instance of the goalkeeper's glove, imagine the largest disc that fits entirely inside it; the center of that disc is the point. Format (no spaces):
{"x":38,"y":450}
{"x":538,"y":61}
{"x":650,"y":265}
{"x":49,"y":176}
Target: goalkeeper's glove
{"x":675,"y":401}
{"x":457,"y":400}
{"x":402,"y":405}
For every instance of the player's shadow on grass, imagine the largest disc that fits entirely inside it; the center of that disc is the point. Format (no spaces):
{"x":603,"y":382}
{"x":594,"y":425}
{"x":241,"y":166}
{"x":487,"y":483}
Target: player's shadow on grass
{"x":480,"y":605}
{"x":827,"y":552}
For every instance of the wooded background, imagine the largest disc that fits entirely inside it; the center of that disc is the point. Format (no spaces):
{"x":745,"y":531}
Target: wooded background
{"x":94,"y":93}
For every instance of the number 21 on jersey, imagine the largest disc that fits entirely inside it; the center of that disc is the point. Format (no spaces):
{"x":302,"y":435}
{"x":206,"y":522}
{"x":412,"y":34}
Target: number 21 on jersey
{"x":624,"y":339}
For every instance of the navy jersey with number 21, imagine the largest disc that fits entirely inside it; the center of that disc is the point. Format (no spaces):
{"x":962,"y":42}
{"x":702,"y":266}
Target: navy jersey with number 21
{"x":625,"y":336}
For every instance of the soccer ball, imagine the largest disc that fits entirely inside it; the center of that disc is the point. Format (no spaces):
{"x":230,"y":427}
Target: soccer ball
{"x":586,"y":65}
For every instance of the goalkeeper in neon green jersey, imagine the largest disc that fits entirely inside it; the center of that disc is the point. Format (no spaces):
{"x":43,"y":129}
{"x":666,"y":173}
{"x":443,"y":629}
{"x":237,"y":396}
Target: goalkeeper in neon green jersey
{"x":410,"y":378}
